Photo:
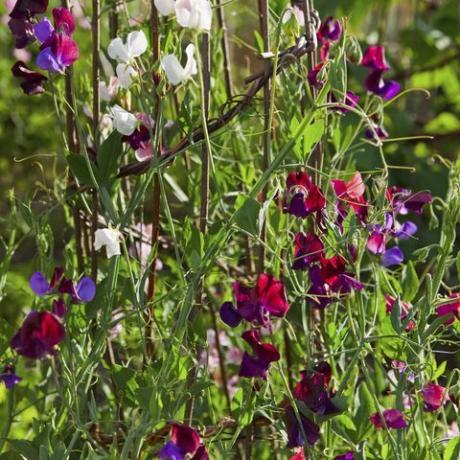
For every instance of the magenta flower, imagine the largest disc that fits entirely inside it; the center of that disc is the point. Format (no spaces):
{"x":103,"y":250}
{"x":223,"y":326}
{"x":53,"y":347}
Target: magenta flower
{"x":302,"y":197}
{"x":312,"y":76}
{"x":8,"y":377}
{"x":32,"y":82}
{"x":298,"y":455}
{"x":393,"y":419}
{"x":185,"y":443}
{"x":450,"y":311}
{"x":350,"y":100}
{"x":374,"y":58}
{"x":256,"y":304}
{"x":38,"y":335}
{"x":350,"y":194}
{"x":346,"y":456}
{"x":312,"y":390}
{"x":330,"y":29}
{"x":405,"y":309}
{"x":308,"y":248}
{"x":83,"y":291}
{"x":296,"y":432}
{"x":434,"y":396}
{"x":404,"y":201}
{"x":265,"y":353}
{"x":58,"y":49}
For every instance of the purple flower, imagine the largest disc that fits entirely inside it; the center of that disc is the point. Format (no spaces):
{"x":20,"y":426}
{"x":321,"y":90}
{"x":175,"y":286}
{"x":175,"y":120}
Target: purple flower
{"x":406,"y":230}
{"x":32,"y":82}
{"x":350,"y":100}
{"x":8,"y":377}
{"x":256,"y":304}
{"x":265,"y":353}
{"x":378,"y":131}
{"x":330,"y":29}
{"x":185,"y":443}
{"x":375,"y":83}
{"x":308,"y":248}
{"x":38,"y":335}
{"x":28,"y":8}
{"x":403,"y":201}
{"x":299,"y":434}
{"x":58,"y":49}
{"x":22,"y":31}
{"x":392,"y":256}
{"x":312,"y":76}
{"x":393,"y":419}
{"x":374,"y":58}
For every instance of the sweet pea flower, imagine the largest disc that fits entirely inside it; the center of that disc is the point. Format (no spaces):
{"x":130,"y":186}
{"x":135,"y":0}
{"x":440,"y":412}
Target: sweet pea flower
{"x":312,"y":76}
{"x":296,"y":432}
{"x":165,"y":7}
{"x":8,"y":377}
{"x":392,"y":256}
{"x":312,"y":390}
{"x":265,"y":353}
{"x":38,"y":335}
{"x":185,"y":443}
{"x":125,"y":53}
{"x":32,"y":82}
{"x":302,"y":196}
{"x":296,"y":12}
{"x":374,"y":58}
{"x":394,"y":419}
{"x":28,"y":8}
{"x":110,"y":238}
{"x":308,"y":248}
{"x":350,"y":100}
{"x":405,"y":309}
{"x":139,"y":139}
{"x":123,"y":121}
{"x":450,"y":310}
{"x":434,"y":396}
{"x":175,"y":73}
{"x":108,"y":91}
{"x":298,"y":455}
{"x":329,"y":30}
{"x":256,"y":304}
{"x":58,"y":49}
{"x":404,"y":201}
{"x":350,"y":194}
{"x":346,"y":456}
{"x":194,"y":14}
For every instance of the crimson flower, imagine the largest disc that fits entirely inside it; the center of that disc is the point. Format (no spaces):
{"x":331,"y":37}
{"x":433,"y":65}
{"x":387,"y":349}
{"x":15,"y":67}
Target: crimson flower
{"x":450,"y":310}
{"x":393,"y":419}
{"x":267,"y":298}
{"x":302,"y":196}
{"x":265,"y":353}
{"x":38,"y":335}
{"x":434,"y":396}
{"x":185,"y":443}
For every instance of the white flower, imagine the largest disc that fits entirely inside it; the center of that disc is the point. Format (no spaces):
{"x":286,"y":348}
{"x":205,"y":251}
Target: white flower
{"x":123,"y":121}
{"x":165,"y":7}
{"x":174,"y":71}
{"x":194,"y":14}
{"x":125,"y":53}
{"x":110,"y":238}
{"x":296,"y":12}
{"x":107,"y":92}
{"x":136,"y":44}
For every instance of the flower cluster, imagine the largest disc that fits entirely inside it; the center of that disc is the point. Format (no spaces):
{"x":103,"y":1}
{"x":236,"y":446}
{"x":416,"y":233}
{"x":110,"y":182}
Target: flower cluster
{"x":58,"y":49}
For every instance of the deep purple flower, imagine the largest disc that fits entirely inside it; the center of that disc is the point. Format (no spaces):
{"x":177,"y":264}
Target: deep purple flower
{"x":265,"y":353}
{"x":312,"y":76}
{"x":330,"y":29}
{"x":32,"y":82}
{"x":185,"y":443}
{"x":296,"y":437}
{"x":450,"y":310}
{"x":350,"y":100}
{"x":22,"y":31}
{"x":38,"y":335}
{"x":392,"y":256}
{"x":378,"y":131}
{"x":434,"y":396}
{"x":28,"y":8}
{"x":375,"y":83}
{"x":313,"y":390}
{"x":308,"y":248}
{"x":403,"y":201}
{"x":393,"y":419}
{"x":256,"y":304}
{"x":374,"y":58}
{"x":8,"y":377}
{"x":346,"y":456}
{"x":302,"y":196}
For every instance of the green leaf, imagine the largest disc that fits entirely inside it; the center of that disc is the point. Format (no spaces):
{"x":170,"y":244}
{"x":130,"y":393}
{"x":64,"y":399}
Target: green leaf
{"x":247,"y":215}
{"x":364,"y":411}
{"x":79,"y":168}
{"x":25,"y":448}
{"x":395,"y":316}
{"x":108,"y":156}
{"x":410,"y":282}
{"x":452,"y":451}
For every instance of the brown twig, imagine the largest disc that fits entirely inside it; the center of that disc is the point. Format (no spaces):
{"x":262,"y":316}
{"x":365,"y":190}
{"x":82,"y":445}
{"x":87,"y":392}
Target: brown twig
{"x":225,"y":49}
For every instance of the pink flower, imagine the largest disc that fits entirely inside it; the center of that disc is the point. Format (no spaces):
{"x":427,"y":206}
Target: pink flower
{"x":434,"y":396}
{"x":393,"y":419}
